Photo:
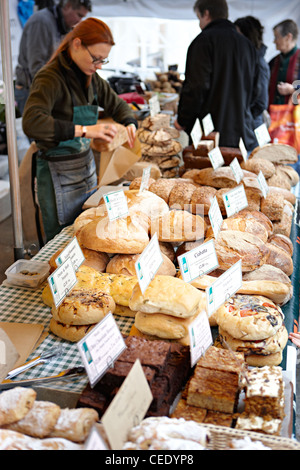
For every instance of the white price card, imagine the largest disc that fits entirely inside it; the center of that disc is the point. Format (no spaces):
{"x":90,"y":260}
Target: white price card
{"x":235,"y":200}
{"x":154,"y":105}
{"x":95,"y":441}
{"x":199,"y":261}
{"x":145,"y":179}
{"x":200,"y":337}
{"x":237,"y":170}
{"x":208,"y":124}
{"x":223,"y":288}
{"x":243,"y":149}
{"x":148,"y":263}
{"x":62,"y":281}
{"x":116,"y":204}
{"x":215,"y":217}
{"x":72,"y":251}
{"x":196,"y":133}
{"x":263,"y":184}
{"x":100,"y":348}
{"x":262,"y":135}
{"x":216,"y":158}
{"x":128,"y":407}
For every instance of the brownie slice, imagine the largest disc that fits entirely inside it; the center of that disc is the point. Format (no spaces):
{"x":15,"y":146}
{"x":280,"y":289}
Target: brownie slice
{"x":151,"y":353}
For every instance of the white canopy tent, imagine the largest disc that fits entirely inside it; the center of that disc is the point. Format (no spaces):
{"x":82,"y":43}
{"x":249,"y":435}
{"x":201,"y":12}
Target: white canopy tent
{"x":125,"y":16}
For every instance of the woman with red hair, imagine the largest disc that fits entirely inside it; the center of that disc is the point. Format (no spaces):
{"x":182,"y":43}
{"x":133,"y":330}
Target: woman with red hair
{"x":61,"y":116}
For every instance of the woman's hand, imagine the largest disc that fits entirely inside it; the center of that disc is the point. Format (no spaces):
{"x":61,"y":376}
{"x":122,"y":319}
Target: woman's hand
{"x":285,"y":88}
{"x":104,"y":132}
{"x":131,"y":131}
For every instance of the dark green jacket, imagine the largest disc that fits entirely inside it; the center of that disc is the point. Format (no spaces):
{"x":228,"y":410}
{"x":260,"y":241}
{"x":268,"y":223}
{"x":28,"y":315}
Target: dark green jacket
{"x":48,"y":114}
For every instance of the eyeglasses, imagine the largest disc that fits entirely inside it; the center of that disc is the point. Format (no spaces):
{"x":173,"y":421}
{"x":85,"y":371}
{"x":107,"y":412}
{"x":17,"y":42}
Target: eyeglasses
{"x":87,"y":4}
{"x":96,"y":60}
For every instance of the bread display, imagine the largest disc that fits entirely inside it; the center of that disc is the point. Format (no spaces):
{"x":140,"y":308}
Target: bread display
{"x":125,"y":264}
{"x":255,"y":165}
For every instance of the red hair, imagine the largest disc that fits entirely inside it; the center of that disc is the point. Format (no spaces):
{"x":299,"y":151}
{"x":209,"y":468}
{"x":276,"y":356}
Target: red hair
{"x":90,"y":31}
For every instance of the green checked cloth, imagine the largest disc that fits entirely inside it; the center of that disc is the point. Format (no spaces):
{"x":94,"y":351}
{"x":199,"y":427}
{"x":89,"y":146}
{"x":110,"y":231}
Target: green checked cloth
{"x":24,"y":305}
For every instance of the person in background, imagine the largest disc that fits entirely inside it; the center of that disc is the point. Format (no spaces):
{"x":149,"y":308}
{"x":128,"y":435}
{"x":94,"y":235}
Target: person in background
{"x":220,"y":78}
{"x":61,"y":116}
{"x":285,"y":67}
{"x":253,"y":30}
{"x":41,"y":36}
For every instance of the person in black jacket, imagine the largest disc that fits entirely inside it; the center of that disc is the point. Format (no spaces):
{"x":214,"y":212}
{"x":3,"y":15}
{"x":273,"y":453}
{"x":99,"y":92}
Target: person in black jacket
{"x":220,"y":78}
{"x":253,"y":30}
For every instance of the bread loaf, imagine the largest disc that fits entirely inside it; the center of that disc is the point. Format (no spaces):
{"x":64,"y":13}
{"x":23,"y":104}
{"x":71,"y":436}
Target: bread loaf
{"x":233,"y":245}
{"x":244,"y":224}
{"x":283,"y":242}
{"x":168,"y":295}
{"x":125,"y":264}
{"x":178,"y":226}
{"x":284,"y":225}
{"x":255,"y":165}
{"x":119,"y":139}
{"x":272,"y":206}
{"x":201,"y":199}
{"x":276,"y":153}
{"x":180,"y":196}
{"x":222,"y":177}
{"x":279,"y":258}
{"x":128,"y":235}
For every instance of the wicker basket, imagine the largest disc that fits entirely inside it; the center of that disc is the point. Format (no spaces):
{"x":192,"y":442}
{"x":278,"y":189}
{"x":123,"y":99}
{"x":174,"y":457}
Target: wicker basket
{"x":221,"y":438}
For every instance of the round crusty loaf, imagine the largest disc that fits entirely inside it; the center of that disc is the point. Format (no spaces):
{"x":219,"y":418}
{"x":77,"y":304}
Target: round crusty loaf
{"x":180,"y":196}
{"x":222,"y":177}
{"x":136,"y":183}
{"x":244,"y":224}
{"x":283,"y":242}
{"x":128,"y":235}
{"x":272,"y":206}
{"x":83,"y":307}
{"x":284,"y":226}
{"x":233,"y":246}
{"x":279,"y":258}
{"x":162,"y":188}
{"x":201,"y":199}
{"x":94,"y":259}
{"x":255,"y":165}
{"x":276,"y":153}
{"x":125,"y":264}
{"x":259,"y":216}
{"x":290,"y":173}
{"x":178,"y":226}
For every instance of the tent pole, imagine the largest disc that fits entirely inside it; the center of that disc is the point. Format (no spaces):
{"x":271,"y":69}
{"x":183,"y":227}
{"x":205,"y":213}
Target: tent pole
{"x":11,"y":129}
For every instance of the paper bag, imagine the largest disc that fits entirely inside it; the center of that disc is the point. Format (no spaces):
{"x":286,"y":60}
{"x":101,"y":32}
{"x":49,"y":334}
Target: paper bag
{"x":8,"y":355}
{"x":114,"y":165}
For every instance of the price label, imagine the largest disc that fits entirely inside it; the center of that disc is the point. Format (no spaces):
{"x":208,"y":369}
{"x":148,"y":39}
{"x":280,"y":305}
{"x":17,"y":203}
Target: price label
{"x":237,"y":171}
{"x":216,"y":158}
{"x":128,"y":407}
{"x":200,"y":337}
{"x":243,"y":150}
{"x":148,"y":263}
{"x":62,"y":281}
{"x":116,"y":204}
{"x":72,"y":251}
{"x":263,"y":184}
{"x":154,"y":105}
{"x":95,"y":441}
{"x":208,"y":124}
{"x":100,"y":348}
{"x":235,"y":200}
{"x":145,"y":179}
{"x":215,"y":217}
{"x":223,"y":288}
{"x":199,"y":261}
{"x":196,"y":133}
{"x":262,"y":135}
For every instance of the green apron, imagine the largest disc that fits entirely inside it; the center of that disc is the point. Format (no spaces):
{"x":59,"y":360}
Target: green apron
{"x":66,"y":175}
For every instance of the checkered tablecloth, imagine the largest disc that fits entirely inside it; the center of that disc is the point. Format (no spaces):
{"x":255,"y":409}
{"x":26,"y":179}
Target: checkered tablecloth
{"x":22,"y":305}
